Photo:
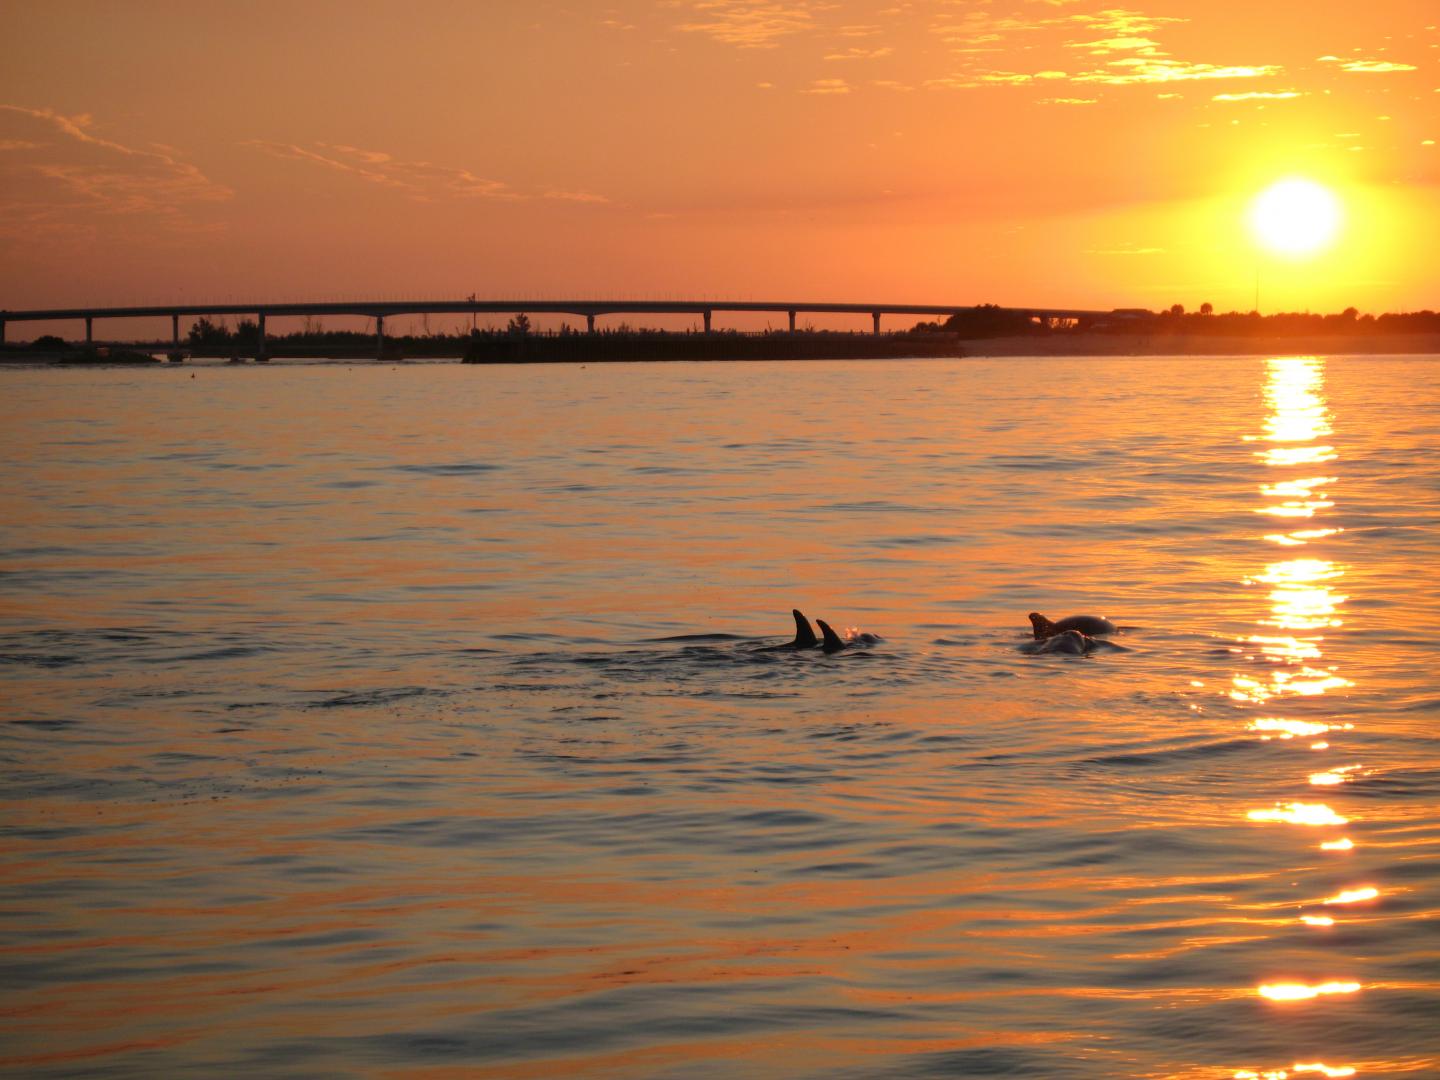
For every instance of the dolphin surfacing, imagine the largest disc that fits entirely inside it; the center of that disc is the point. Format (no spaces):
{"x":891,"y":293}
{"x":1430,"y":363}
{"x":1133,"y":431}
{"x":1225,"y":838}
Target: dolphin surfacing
{"x":832,"y":642}
{"x":1088,"y":625}
{"x":804,"y":636}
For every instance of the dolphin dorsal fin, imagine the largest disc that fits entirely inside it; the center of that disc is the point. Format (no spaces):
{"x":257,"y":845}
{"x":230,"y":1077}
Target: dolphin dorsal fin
{"x":1042,"y":626}
{"x":804,"y":636}
{"x":832,"y":640}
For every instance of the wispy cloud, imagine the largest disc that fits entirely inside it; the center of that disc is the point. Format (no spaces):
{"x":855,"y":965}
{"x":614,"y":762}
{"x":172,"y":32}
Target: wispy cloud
{"x":1141,"y":70}
{"x":860,"y":54}
{"x":1260,"y":95}
{"x":1369,"y":67}
{"x":57,"y":169}
{"x":827,"y":86}
{"x":1125,"y":44}
{"x":420,"y":180}
{"x":748,"y":24}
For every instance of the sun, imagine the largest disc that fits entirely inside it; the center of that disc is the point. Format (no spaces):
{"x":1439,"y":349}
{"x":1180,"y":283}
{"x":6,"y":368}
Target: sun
{"x":1295,"y":217}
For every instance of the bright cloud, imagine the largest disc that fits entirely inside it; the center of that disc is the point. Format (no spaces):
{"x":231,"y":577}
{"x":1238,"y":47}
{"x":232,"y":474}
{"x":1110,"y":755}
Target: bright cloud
{"x":746,"y":24}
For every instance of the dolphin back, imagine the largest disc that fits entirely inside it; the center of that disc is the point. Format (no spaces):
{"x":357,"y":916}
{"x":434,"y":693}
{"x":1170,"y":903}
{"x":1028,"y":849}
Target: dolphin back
{"x":832,"y":639}
{"x":1089,"y":625}
{"x":804,"y":636}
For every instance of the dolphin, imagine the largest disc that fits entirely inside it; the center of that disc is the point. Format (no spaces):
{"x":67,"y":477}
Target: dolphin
{"x":1087,"y":625}
{"x":804,"y":635}
{"x":1067,"y":641}
{"x":834,"y":642}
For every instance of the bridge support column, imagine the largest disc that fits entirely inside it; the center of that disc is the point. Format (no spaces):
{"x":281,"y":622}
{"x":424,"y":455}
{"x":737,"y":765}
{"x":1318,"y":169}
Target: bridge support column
{"x":589,"y":324}
{"x":175,"y":332}
{"x":707,"y":322}
{"x":2,"y":331}
{"x":260,"y":337}
{"x":876,"y":316}
{"x":89,"y":330}
{"x":379,"y":337}
{"x":792,"y":322}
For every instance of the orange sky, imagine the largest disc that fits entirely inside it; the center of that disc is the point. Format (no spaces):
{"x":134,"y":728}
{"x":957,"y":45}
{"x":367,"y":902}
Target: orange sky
{"x":1062,"y":152}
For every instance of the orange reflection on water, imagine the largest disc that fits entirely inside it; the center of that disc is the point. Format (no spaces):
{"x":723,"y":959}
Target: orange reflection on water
{"x":1343,"y":844}
{"x":1313,"y":1069}
{"x":1353,"y":896}
{"x":1317,"y":920}
{"x":1299,"y":814}
{"x":1288,"y":729}
{"x":1300,"y":537}
{"x":1297,"y":409}
{"x":1305,"y":991}
{"x":1307,"y":682}
{"x":1299,"y":495}
{"x":1331,"y":777}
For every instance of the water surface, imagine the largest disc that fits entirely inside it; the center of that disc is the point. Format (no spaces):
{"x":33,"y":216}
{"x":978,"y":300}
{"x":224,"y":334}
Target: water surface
{"x":414,"y":720}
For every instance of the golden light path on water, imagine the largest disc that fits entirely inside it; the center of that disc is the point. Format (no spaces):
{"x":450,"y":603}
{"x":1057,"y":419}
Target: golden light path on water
{"x":1288,"y":649}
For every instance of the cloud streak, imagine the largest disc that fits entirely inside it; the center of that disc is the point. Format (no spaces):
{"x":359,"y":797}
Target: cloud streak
{"x":59,"y":175}
{"x":747,"y":24}
{"x":423,"y":181}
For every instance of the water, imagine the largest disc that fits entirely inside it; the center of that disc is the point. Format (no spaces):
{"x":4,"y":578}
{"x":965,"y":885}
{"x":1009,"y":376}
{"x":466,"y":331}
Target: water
{"x":412,"y":720}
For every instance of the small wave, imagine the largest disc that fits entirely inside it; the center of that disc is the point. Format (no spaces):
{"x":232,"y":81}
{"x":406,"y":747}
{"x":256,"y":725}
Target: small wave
{"x":1175,"y":754}
{"x":382,"y":696}
{"x":458,"y":468}
{"x":697,"y":637}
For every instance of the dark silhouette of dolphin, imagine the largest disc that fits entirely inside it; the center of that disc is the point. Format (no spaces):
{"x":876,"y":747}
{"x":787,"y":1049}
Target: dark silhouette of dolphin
{"x":1088,"y":625}
{"x":804,"y":636}
{"x":1067,"y":641}
{"x":832,"y":642}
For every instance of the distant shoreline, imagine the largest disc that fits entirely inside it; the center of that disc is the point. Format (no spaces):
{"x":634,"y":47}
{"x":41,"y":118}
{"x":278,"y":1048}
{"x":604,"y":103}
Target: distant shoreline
{"x":661,"y":347}
{"x":1086,"y":343}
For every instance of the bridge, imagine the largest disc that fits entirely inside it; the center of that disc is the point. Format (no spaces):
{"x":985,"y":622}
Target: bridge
{"x":380,"y":310}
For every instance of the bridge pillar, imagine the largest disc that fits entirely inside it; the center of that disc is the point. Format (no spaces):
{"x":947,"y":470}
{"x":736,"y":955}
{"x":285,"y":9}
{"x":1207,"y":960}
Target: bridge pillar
{"x":379,"y":337}
{"x":175,"y":332}
{"x":89,"y":330}
{"x":876,"y":316}
{"x":589,"y":324}
{"x":2,"y":331}
{"x":707,"y":322}
{"x":260,"y":337}
{"x":792,"y":322}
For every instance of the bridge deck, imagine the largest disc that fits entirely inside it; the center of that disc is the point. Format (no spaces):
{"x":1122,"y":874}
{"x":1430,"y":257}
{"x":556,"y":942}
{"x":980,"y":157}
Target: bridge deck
{"x":385,"y":308}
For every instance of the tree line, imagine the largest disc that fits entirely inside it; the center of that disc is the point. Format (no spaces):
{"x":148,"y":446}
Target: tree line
{"x":991,"y":320}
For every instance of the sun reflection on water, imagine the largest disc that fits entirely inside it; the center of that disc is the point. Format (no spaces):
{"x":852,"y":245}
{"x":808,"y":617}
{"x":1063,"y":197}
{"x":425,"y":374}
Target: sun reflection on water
{"x":1299,"y":814}
{"x":1286,"y":655}
{"x":1353,"y":896}
{"x":1303,"y":599}
{"x":1306,"y":991}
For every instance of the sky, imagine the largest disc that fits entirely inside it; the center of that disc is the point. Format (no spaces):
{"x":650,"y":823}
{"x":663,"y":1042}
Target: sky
{"x":1069,"y":153}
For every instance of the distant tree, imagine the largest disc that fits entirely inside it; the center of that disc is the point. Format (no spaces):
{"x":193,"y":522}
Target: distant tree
{"x":48,"y":343}
{"x":1207,"y":308}
{"x":1177,"y":310}
{"x":204,"y":332}
{"x":519,"y":326}
{"x":1350,"y":314}
{"x":247,"y":331}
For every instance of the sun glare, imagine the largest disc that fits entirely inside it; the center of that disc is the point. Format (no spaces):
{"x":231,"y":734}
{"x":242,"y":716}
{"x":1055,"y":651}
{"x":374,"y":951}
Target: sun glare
{"x":1295,"y":217}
